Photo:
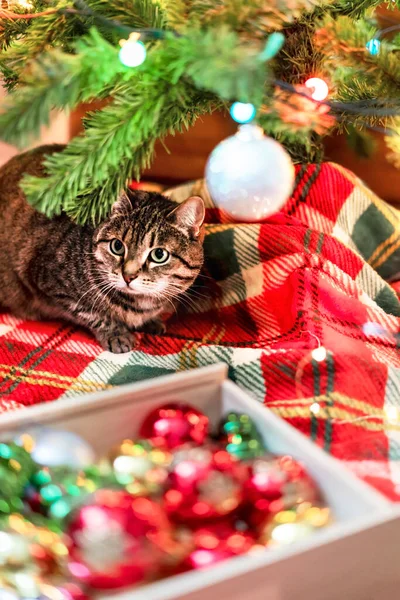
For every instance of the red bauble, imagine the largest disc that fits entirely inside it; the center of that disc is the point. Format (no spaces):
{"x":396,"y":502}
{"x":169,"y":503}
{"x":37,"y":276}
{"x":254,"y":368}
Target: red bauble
{"x":174,"y":424}
{"x":72,"y":591}
{"x":116,"y":540}
{"x":275,"y":483}
{"x":216,"y":542}
{"x":205,"y":482}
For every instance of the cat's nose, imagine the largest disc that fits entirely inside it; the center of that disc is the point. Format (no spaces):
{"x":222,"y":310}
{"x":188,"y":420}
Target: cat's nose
{"x":128,"y":277}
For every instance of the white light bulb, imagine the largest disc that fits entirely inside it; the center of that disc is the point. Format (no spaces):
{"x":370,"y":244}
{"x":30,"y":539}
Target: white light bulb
{"x":315,"y":408}
{"x":319,"y":88}
{"x":319,"y":354}
{"x":392,"y":414}
{"x":132,"y":54}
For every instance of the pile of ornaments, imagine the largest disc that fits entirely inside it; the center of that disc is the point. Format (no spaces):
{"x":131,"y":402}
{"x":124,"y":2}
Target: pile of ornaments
{"x":175,"y":499}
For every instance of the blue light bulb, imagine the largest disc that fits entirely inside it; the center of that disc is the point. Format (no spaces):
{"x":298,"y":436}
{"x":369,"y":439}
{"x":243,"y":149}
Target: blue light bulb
{"x":242,"y":112}
{"x":132,"y":54}
{"x":373,"y":46}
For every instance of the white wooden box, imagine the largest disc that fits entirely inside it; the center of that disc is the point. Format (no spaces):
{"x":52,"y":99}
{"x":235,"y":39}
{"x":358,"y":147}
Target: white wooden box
{"x":356,"y":558}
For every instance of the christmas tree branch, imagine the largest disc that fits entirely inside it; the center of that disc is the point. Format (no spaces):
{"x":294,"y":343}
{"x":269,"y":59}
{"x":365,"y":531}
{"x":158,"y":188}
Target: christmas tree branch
{"x":60,"y":81}
{"x":200,"y":54}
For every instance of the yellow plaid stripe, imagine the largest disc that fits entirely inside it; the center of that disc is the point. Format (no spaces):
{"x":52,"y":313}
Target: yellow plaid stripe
{"x":43,"y":378}
{"x":372,"y":419}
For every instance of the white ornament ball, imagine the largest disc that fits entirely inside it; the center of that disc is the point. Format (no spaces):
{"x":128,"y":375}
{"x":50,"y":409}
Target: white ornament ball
{"x":249,"y":176}
{"x":53,"y":447}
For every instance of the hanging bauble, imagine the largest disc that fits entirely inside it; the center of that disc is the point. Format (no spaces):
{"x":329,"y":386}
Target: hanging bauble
{"x":249,"y":176}
{"x":117,"y":540}
{"x":173,"y":424}
{"x":205,"y":482}
{"x":56,"y":447}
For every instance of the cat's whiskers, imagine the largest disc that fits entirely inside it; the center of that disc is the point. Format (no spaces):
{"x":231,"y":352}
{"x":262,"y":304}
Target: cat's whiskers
{"x":102,"y":293}
{"x":96,"y":282}
{"x":186,"y":292}
{"x":161,"y":296}
{"x":179,"y":296}
{"x":205,"y":276}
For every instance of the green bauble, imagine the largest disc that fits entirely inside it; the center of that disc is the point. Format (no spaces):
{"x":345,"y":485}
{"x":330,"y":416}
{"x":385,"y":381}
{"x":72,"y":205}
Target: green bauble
{"x":241,"y":437}
{"x":55,"y":491}
{"x":16,"y":469}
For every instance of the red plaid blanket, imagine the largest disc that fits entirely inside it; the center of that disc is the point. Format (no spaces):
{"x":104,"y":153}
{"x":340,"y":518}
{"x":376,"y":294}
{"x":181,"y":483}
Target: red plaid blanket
{"x":271,"y":293}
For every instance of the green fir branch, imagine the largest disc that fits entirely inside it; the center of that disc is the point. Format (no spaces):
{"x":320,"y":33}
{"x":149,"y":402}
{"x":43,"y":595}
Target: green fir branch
{"x":60,"y":81}
{"x":147,"y":107}
{"x":209,"y":56}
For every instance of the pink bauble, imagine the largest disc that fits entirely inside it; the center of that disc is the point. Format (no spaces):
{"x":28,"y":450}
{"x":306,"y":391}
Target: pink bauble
{"x":116,"y":540}
{"x":204,"y":483}
{"x":275,"y":483}
{"x":174,"y":424}
{"x":216,"y":542}
{"x":72,"y":591}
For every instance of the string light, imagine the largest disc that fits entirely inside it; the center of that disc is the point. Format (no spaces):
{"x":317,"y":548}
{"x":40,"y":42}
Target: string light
{"x":373,"y":46}
{"x":392,"y":414}
{"x":315,"y":408}
{"x":273,"y":45}
{"x":319,"y":354}
{"x":133,"y":52}
{"x":24,"y":4}
{"x":319,"y":88}
{"x":242,"y":112}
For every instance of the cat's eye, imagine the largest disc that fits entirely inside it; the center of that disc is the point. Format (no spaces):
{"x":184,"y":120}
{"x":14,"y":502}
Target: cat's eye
{"x":117,"y":247}
{"x":159,"y":256}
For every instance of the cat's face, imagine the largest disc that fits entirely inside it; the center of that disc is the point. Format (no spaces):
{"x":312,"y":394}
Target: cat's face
{"x":150,"y":247}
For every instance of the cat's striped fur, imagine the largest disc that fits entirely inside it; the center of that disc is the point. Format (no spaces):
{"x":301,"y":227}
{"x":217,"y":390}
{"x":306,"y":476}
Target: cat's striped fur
{"x":54,"y":268}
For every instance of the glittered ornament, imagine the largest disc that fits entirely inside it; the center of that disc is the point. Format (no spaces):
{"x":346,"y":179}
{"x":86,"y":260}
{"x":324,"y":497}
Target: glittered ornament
{"x":288,"y":526}
{"x":275,"y":483}
{"x":55,"y":491}
{"x":249,"y":176}
{"x":8,"y":594}
{"x":30,"y":555}
{"x":140,"y":466}
{"x":240,"y":436}
{"x":56,"y":447}
{"x":216,"y":542}
{"x":16,"y":468}
{"x":204,"y":482}
{"x":14,"y":549}
{"x":71,"y":591}
{"x":117,"y":540}
{"x":174,"y":424}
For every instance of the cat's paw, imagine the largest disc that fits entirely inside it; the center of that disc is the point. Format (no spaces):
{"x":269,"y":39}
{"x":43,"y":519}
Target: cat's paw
{"x":120,"y":344}
{"x":155,"y":327}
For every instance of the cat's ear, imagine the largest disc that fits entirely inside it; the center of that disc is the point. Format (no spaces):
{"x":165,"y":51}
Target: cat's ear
{"x":123,"y":205}
{"x":190,"y":215}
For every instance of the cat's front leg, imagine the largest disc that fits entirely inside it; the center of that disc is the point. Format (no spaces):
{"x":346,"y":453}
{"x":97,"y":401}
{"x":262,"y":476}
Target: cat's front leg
{"x":115,"y":337}
{"x":154,"y":327}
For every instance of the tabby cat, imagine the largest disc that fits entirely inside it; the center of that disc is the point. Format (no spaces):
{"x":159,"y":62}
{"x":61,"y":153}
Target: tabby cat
{"x":114,"y":279}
